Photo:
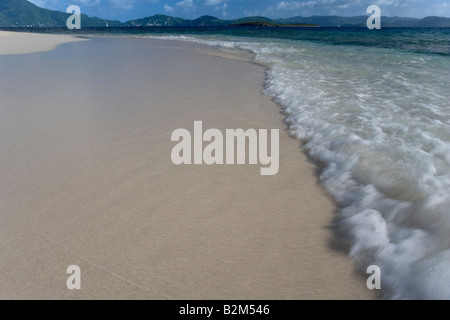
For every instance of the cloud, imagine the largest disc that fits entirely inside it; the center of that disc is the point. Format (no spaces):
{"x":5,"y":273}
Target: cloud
{"x":213,"y":2}
{"x":187,"y":5}
{"x":386,"y":2}
{"x":332,"y":4}
{"x":168,"y":8}
{"x":89,"y":3}
{"x":222,"y":9}
{"x":295,"y":5}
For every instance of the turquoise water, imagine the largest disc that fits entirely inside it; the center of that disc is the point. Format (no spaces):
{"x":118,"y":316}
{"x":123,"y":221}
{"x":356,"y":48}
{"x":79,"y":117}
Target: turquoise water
{"x":424,"y":40}
{"x":374,"y":108}
{"x":416,"y":40}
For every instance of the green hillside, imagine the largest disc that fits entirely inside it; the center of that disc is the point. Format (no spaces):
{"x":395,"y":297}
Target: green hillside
{"x":156,"y":20}
{"x":433,"y":22}
{"x":21,"y":13}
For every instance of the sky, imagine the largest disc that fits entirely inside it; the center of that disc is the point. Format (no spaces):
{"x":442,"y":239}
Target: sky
{"x":124,"y":10}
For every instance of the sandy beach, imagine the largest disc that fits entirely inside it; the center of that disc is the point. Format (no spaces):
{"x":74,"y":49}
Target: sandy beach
{"x":87,"y":179}
{"x":22,"y":43}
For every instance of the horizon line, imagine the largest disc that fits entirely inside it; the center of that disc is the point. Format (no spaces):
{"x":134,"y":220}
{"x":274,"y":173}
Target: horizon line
{"x":209,"y":15}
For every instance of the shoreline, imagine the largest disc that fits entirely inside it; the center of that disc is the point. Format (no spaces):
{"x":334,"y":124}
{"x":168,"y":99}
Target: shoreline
{"x":278,"y":250}
{"x":25,"y":43}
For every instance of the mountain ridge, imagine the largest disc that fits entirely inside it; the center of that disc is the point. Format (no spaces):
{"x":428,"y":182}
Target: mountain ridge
{"x":323,"y":21}
{"x":22,"y":13}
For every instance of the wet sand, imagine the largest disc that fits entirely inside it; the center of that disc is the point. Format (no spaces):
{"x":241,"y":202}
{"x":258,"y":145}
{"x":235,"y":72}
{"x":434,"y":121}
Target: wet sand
{"x":87,"y":180}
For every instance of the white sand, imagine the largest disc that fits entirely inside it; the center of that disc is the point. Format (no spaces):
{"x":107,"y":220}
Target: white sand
{"x":87,"y":179}
{"x":22,"y":42}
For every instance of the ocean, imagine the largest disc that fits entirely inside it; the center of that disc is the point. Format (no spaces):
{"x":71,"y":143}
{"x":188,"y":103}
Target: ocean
{"x":372,"y":108}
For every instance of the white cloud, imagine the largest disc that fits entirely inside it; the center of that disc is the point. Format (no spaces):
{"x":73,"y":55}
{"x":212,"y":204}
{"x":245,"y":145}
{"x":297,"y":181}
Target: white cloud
{"x":295,"y":5}
{"x":222,"y":9}
{"x":187,"y":5}
{"x":168,"y":8}
{"x":213,"y":2}
{"x":328,"y":4}
{"x":386,"y":2}
{"x":89,"y":3}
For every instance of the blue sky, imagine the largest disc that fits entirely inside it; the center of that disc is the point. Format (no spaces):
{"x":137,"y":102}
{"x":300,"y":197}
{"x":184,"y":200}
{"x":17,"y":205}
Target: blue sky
{"x":230,"y":9}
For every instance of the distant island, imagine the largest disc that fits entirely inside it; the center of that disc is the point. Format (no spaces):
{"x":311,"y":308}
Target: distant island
{"x":22,"y":13}
{"x":270,"y":24}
